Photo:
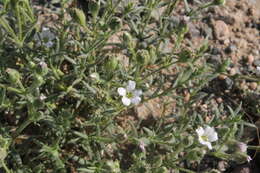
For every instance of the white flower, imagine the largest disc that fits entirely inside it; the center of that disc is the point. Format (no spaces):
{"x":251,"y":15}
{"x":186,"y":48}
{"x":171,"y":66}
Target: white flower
{"x":45,"y":37}
{"x":130,"y":94}
{"x":142,"y":146}
{"x":43,"y":64}
{"x":42,"y":97}
{"x":258,"y":68}
{"x":206,"y":136}
{"x":248,"y":158}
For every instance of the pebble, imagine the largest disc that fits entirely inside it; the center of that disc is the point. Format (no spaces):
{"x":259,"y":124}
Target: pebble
{"x":215,"y":51}
{"x":232,"y":71}
{"x":222,"y":77}
{"x":228,"y":83}
{"x":222,"y":165}
{"x":230,"y":49}
{"x":253,"y":85}
{"x":207,"y":32}
{"x":250,"y":59}
{"x":242,"y":169}
{"x":221,"y":30}
{"x":228,"y":19}
{"x":219,"y":100}
{"x":215,"y":60}
{"x":256,"y":62}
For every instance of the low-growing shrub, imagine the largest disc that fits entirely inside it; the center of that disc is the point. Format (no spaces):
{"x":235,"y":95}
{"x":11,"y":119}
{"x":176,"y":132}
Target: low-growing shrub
{"x":71,"y":88}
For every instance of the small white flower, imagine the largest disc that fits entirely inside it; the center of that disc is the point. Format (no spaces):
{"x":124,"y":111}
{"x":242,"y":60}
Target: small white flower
{"x":43,"y":64}
{"x":45,"y":37}
{"x":94,"y":76}
{"x":248,"y":158}
{"x":130,"y":94}
{"x":142,"y":146}
{"x":258,"y":68}
{"x":207,"y":135}
{"x":42,"y":97}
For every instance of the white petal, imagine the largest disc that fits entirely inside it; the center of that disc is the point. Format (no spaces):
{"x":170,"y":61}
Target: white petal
{"x":121,"y":91}
{"x":126,"y":101}
{"x":212,"y":135}
{"x":200,"y":131}
{"x":131,"y":85}
{"x":45,"y":29}
{"x":208,"y":145}
{"x":48,"y":44}
{"x":137,"y":92}
{"x":136,"y":100}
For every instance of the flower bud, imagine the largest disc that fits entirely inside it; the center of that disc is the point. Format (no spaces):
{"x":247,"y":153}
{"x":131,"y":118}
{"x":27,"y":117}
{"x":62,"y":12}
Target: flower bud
{"x":188,"y":141}
{"x":79,"y":16}
{"x":152,"y":52}
{"x":219,"y":2}
{"x":143,"y":57}
{"x":95,"y":76}
{"x":14,"y":75}
{"x":42,"y":68}
{"x":94,"y":8}
{"x":128,"y":40}
{"x":115,"y":23}
{"x":31,"y":64}
{"x":3,"y":153}
{"x":38,"y":81}
{"x":112,"y":64}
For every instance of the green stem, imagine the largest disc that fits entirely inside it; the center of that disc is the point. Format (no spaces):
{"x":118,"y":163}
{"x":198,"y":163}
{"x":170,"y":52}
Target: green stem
{"x":11,"y":89}
{"x":5,"y":167}
{"x":193,"y":12}
{"x":22,"y":127}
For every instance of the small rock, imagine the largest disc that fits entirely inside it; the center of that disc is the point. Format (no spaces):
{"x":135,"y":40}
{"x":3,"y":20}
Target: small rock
{"x":215,"y":60}
{"x":242,"y":44}
{"x":221,"y":30}
{"x":228,"y":83}
{"x":193,"y":31}
{"x":222,"y":165}
{"x":256,"y":62}
{"x":253,"y":85}
{"x":232,"y":71}
{"x":219,"y":100}
{"x":251,"y":12}
{"x":207,"y":32}
{"x":222,"y":77}
{"x":242,"y":169}
{"x":250,"y":59}
{"x":230,"y":49}
{"x":228,"y":19}
{"x":215,"y":51}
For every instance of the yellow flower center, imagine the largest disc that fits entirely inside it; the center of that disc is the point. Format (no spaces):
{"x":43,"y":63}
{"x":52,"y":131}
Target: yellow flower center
{"x":205,"y":138}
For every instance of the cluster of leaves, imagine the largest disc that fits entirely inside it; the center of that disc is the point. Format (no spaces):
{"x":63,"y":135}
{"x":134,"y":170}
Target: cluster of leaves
{"x":59,"y":103}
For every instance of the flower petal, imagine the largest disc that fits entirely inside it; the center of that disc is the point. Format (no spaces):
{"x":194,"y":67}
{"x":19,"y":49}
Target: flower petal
{"x":126,"y":101}
{"x":212,"y":135}
{"x":200,"y":131}
{"x":130,"y":85}
{"x":208,"y":144}
{"x":136,"y":100}
{"x":137,"y":92}
{"x":48,"y":44}
{"x":121,"y":91}
{"x":248,"y":158}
